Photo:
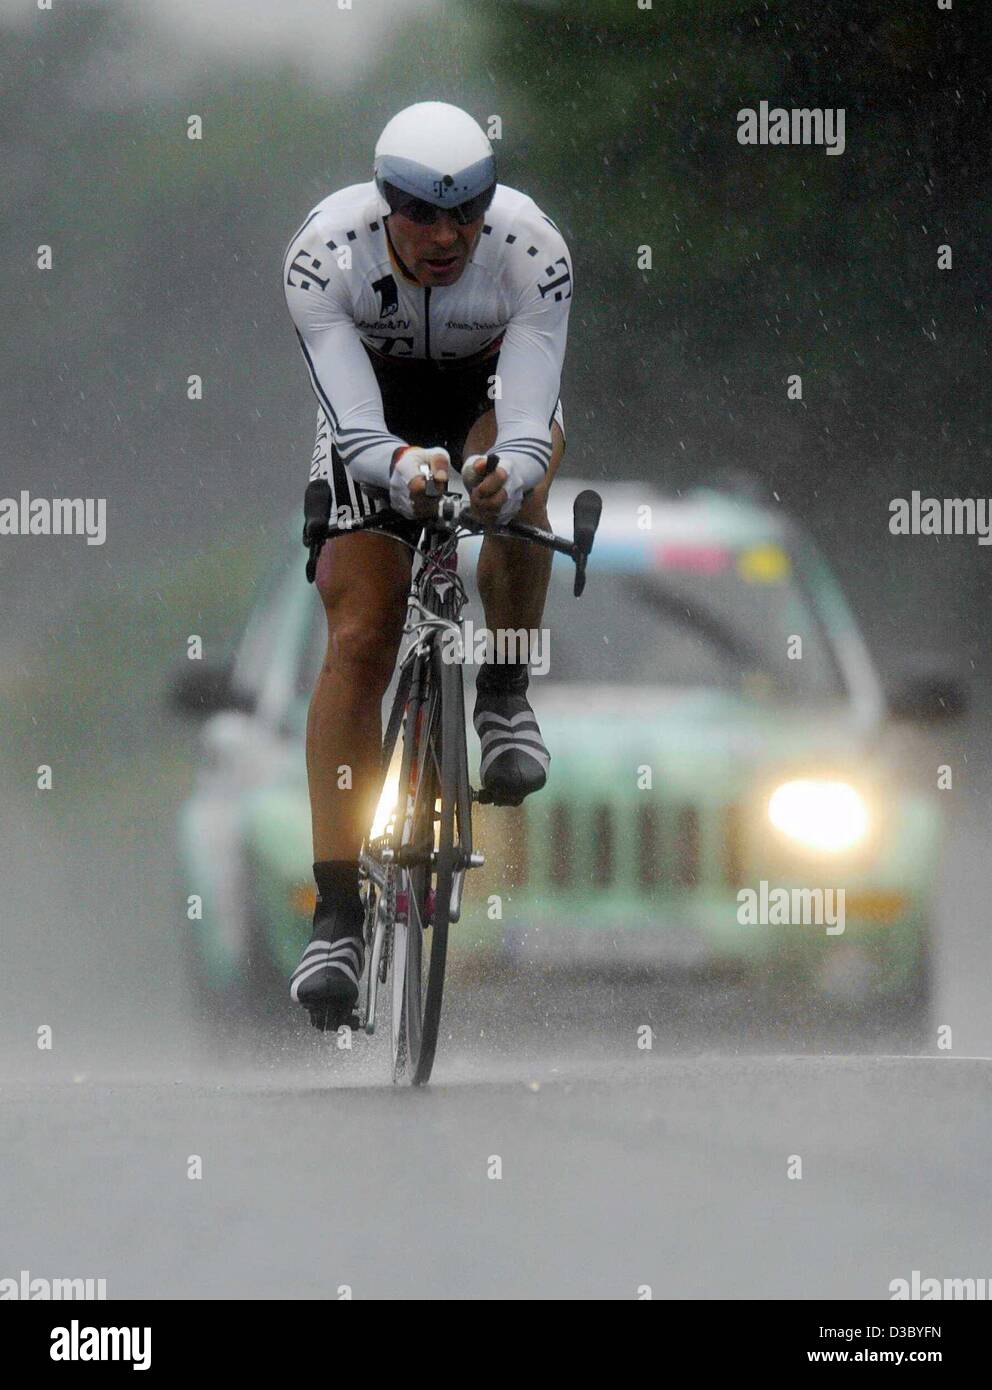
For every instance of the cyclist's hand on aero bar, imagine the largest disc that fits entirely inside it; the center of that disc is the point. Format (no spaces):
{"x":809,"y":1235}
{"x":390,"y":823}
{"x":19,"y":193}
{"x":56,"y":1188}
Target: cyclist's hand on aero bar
{"x":495,"y":498}
{"x":408,"y":480}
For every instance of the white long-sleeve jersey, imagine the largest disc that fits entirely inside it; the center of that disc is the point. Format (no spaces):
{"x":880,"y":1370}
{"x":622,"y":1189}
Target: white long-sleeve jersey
{"x":344,"y":288}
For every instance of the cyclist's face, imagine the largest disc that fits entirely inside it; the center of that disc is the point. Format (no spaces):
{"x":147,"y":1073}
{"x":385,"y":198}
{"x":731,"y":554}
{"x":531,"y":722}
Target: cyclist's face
{"x":438,"y":254}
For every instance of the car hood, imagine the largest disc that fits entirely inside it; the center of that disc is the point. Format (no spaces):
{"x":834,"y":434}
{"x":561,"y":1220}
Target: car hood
{"x":702,"y":738}
{"x":699,"y":745}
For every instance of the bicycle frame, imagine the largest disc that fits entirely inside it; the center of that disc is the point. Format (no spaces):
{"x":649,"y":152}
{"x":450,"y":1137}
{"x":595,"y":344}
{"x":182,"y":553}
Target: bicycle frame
{"x":435,"y":588}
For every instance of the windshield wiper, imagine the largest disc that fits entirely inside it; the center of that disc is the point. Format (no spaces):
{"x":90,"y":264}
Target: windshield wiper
{"x":691,"y":614}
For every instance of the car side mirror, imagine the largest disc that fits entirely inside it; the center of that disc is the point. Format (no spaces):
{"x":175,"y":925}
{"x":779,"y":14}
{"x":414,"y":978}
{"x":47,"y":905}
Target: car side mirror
{"x":200,"y":690}
{"x":930,"y":694}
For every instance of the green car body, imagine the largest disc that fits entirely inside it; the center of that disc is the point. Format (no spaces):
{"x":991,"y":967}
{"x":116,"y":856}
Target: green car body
{"x":673,"y":704}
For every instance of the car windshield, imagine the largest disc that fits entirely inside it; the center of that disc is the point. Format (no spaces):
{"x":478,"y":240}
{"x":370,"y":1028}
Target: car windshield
{"x":740,"y":622}
{"x":704,"y":618}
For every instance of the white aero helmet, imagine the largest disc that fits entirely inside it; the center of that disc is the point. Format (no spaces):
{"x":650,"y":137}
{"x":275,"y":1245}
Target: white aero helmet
{"x":433,"y":155}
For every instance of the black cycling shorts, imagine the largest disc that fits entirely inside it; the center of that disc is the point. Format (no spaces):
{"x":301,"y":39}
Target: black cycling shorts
{"x":430,"y":404}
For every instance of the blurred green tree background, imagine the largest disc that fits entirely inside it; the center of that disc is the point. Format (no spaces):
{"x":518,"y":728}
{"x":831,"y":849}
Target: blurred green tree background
{"x":622,"y":122}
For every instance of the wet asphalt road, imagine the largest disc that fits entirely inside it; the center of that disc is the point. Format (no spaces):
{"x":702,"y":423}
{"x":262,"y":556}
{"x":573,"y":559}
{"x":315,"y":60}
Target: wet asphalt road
{"x":619,"y":1168}
{"x":615,"y":1174}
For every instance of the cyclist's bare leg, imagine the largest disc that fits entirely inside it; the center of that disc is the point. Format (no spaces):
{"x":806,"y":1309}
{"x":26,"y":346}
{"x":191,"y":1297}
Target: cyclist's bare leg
{"x":363,"y":581}
{"x":513,"y":576}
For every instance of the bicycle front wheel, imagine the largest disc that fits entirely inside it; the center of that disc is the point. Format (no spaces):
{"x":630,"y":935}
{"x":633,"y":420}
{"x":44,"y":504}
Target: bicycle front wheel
{"x":434,"y":774}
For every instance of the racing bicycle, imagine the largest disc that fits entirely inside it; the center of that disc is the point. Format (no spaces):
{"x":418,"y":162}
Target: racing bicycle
{"x":412,"y":868}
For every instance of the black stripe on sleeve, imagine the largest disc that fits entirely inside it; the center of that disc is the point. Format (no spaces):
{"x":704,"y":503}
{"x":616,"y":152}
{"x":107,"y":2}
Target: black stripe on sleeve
{"x":319,"y":391}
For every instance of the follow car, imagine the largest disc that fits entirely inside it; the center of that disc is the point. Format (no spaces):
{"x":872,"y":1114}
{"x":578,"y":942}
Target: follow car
{"x":720,"y":741}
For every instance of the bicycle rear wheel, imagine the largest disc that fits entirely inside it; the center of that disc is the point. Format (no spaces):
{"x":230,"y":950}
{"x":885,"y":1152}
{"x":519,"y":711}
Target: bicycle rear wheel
{"x":434,"y":761}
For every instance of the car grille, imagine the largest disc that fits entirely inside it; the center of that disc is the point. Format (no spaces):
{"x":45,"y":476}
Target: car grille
{"x":685,"y":864}
{"x":648,"y":847}
{"x":561,"y":845}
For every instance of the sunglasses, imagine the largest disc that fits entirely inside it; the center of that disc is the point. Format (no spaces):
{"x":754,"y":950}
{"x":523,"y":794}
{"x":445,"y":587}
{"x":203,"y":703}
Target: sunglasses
{"x":426,"y":214}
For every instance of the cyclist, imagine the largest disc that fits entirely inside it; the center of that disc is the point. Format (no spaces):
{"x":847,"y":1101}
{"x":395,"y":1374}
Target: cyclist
{"x":431,"y":305}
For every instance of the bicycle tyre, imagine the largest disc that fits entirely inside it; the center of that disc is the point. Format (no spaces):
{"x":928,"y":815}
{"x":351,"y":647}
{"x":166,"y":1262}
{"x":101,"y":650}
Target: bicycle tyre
{"x":450,"y":730}
{"x":441,"y":758}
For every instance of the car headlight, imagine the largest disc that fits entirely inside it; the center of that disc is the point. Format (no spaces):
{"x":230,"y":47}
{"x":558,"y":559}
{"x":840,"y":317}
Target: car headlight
{"x":820,"y":814}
